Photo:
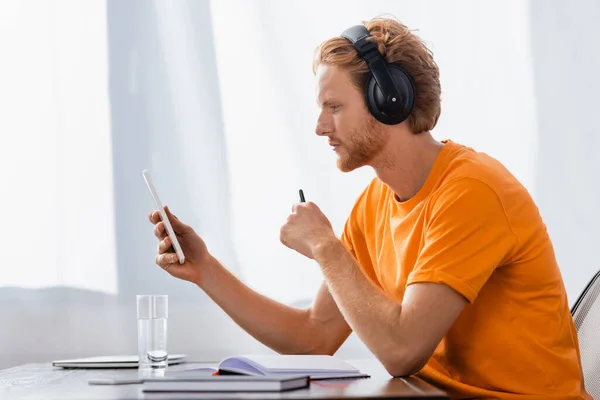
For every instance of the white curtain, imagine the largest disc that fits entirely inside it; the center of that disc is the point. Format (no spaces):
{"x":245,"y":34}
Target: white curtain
{"x":56,"y":155}
{"x":217,"y":99}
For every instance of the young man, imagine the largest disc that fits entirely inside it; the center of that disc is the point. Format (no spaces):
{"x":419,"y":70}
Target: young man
{"x":444,"y":267}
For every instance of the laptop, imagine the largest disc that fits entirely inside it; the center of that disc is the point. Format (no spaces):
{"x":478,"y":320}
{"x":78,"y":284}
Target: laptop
{"x":111,"y":361}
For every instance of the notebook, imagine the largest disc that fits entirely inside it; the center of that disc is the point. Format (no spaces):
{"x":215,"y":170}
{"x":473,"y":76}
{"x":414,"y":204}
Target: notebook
{"x":315,"y":366}
{"x":111,"y":361}
{"x":225,"y":384}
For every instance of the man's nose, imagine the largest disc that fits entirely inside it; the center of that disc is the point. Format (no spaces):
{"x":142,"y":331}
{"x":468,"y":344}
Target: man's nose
{"x":323,"y":128}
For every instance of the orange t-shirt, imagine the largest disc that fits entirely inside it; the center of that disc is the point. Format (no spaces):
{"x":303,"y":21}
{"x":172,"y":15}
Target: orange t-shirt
{"x":475,"y":228}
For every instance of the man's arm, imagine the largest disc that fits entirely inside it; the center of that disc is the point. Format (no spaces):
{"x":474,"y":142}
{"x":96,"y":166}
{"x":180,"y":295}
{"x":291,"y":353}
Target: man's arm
{"x":402,"y":336}
{"x":320,"y":329}
{"x":468,"y":236}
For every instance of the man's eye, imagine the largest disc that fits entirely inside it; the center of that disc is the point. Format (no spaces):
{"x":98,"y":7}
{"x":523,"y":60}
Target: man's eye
{"x":335,"y":108}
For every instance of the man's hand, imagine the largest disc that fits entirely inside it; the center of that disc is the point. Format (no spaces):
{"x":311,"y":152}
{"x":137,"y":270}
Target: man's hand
{"x":197,"y":256}
{"x":305,"y":229}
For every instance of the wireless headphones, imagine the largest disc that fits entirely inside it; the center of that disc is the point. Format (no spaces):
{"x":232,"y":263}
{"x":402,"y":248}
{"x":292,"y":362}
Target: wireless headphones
{"x":389,"y":91}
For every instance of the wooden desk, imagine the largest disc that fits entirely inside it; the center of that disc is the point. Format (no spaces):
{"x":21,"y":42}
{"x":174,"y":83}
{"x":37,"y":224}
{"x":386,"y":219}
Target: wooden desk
{"x":42,"y":381}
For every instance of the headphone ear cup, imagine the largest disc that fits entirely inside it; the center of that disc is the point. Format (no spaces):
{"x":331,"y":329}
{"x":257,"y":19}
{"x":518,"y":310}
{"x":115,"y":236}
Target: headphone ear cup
{"x":391,"y":113}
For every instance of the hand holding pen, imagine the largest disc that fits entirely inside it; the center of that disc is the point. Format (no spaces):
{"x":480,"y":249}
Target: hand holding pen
{"x":306,"y":228}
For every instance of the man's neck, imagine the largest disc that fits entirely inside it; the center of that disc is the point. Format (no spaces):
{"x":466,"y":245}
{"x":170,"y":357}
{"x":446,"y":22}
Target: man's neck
{"x":406,"y":166}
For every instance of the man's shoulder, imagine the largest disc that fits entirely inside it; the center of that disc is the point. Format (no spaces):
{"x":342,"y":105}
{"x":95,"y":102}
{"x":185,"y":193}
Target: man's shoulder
{"x":476,"y":170}
{"x":484,"y":184}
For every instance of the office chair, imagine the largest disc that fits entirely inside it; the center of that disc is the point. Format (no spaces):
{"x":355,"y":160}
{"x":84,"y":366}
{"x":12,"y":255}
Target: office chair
{"x":586,"y":313}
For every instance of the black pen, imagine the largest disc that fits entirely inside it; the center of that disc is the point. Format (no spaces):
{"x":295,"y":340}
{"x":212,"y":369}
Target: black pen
{"x":302,"y":200}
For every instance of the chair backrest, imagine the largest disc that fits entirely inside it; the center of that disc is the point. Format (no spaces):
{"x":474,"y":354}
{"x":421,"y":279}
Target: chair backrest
{"x":586,"y":314}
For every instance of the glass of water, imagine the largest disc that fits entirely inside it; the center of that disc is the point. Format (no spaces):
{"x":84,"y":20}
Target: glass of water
{"x":152,"y":313}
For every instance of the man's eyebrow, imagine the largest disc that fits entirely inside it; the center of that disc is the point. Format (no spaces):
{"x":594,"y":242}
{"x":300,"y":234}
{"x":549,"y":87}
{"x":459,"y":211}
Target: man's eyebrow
{"x":327,"y":102}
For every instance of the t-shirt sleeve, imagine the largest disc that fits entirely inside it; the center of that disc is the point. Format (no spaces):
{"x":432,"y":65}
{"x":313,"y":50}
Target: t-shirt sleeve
{"x":466,"y":237}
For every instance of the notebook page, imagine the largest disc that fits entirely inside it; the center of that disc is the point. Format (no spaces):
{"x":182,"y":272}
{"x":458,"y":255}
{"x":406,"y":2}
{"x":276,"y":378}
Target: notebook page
{"x":302,"y":363}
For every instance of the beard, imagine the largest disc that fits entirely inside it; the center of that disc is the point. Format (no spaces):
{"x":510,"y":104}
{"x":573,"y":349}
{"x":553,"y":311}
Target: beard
{"x":364,"y":144}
